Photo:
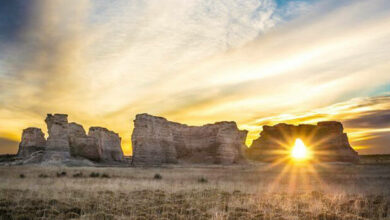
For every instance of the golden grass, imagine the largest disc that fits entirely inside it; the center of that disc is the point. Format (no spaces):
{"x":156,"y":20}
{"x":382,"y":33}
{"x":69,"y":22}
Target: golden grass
{"x":196,"y":192}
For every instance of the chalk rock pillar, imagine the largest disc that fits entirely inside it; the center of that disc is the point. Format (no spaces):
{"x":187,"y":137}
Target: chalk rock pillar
{"x":33,"y":140}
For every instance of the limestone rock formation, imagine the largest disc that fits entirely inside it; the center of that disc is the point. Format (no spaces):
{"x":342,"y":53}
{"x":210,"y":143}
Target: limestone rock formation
{"x":57,"y":145}
{"x":33,"y":140}
{"x":82,"y":145}
{"x":76,"y":130}
{"x":327,"y":140}
{"x":85,"y":147}
{"x":156,"y":140}
{"x":57,"y":127}
{"x":69,"y":144}
{"x":152,"y":141}
{"x":100,"y":144}
{"x":108,"y":143}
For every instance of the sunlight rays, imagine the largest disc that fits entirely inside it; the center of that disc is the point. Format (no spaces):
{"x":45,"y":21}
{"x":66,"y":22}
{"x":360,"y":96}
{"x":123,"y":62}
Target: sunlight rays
{"x":300,"y":151}
{"x":298,"y":167}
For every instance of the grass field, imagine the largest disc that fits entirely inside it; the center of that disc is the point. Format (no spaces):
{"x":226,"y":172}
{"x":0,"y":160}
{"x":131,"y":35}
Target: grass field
{"x":332,"y":191}
{"x":375,"y":159}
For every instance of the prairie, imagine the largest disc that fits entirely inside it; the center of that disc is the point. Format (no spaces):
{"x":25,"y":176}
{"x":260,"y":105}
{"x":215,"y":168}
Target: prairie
{"x":255,"y":191}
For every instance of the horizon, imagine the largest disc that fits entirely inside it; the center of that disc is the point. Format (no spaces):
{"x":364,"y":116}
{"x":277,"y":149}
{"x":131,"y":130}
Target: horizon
{"x":248,"y":141}
{"x":255,"y":62}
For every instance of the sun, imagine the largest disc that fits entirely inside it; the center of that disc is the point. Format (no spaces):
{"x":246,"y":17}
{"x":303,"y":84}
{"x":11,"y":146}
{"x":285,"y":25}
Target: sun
{"x":299,"y":151}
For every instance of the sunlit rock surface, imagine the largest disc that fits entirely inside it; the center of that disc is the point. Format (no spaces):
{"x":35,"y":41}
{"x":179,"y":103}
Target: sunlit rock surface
{"x":156,"y":140}
{"x":33,"y":140}
{"x":327,"y":141}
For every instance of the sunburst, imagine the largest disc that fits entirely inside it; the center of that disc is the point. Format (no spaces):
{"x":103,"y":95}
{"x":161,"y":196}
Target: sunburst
{"x":299,"y":151}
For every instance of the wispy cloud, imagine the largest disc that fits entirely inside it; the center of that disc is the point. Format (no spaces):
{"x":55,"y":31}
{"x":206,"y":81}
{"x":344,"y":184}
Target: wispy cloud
{"x":94,"y":58}
{"x":44,"y":66}
{"x":193,"y":61}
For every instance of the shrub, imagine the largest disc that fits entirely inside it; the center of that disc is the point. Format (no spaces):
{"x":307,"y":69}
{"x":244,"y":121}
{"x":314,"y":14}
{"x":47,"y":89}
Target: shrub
{"x":104,"y":175}
{"x":79,"y":174}
{"x":157,"y":176}
{"x":93,"y":174}
{"x":61,"y":174}
{"x":71,"y":215}
{"x":42,"y":175}
{"x":22,"y":175}
{"x":102,"y":215}
{"x":202,"y":180}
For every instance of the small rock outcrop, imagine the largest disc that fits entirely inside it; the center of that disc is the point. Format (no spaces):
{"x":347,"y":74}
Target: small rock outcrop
{"x":156,"y":140}
{"x":33,"y":140}
{"x":327,"y":140}
{"x":108,"y":143}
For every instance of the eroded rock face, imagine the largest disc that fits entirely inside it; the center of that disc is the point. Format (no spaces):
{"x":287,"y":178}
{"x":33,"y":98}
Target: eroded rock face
{"x":76,"y":130}
{"x":156,"y":140}
{"x":327,"y":140}
{"x":57,"y":145}
{"x":108,"y":143}
{"x":69,"y":144}
{"x":81,"y":145}
{"x":57,"y":127}
{"x":85,"y":147}
{"x":33,"y":140}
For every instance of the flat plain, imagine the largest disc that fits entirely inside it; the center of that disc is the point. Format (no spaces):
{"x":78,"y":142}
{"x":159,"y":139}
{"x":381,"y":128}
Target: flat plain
{"x":253,"y":191}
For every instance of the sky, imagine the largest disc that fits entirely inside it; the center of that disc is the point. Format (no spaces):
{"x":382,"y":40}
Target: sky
{"x":256,"y":62}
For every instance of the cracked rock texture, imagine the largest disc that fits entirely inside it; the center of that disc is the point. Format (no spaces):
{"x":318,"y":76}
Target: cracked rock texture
{"x":57,"y":145}
{"x":108,"y":142}
{"x":156,"y":140}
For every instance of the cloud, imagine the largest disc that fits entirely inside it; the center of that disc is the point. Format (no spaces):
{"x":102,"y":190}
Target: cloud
{"x":371,"y":119}
{"x":195,"y":62}
{"x":44,"y":65}
{"x":103,"y":52}
{"x":86,"y":58}
{"x":13,"y":18}
{"x":374,"y":143}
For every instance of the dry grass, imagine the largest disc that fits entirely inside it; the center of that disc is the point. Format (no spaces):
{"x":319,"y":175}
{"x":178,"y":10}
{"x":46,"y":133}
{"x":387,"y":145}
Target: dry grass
{"x":375,"y":159}
{"x":213,"y":192}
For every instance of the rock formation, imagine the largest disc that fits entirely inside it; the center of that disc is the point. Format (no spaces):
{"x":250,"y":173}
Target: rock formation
{"x":327,"y":140}
{"x":57,"y":127}
{"x":108,"y":143}
{"x":68,"y":142}
{"x":75,"y":130}
{"x":33,"y":140}
{"x":156,"y":140}
{"x":81,"y":145}
{"x":57,"y":145}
